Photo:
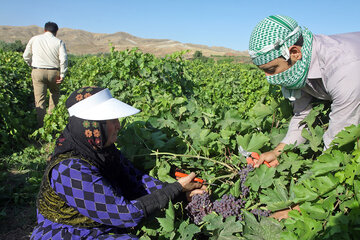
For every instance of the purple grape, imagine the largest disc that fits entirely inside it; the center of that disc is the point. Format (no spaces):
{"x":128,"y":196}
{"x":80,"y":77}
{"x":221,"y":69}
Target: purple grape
{"x":199,"y":207}
{"x":243,"y":175}
{"x":259,"y":212}
{"x":228,"y":206}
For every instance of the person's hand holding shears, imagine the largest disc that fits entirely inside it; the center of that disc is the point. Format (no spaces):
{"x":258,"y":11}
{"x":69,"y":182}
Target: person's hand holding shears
{"x":256,"y":160}
{"x":189,"y":193}
{"x":268,"y":158}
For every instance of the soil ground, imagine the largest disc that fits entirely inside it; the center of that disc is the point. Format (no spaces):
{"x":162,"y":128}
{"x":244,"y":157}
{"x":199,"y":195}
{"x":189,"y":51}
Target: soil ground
{"x":18,"y":223}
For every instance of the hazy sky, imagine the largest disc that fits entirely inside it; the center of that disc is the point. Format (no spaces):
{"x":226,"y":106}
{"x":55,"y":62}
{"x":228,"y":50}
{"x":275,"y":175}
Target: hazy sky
{"x":226,"y":23}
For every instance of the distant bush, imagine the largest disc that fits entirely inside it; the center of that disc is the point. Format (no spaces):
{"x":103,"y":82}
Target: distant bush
{"x":199,"y":56}
{"x":16,"y":46}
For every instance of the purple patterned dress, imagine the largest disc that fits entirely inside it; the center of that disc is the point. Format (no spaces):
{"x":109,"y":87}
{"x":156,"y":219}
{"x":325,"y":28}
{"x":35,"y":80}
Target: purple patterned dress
{"x":83,"y":187}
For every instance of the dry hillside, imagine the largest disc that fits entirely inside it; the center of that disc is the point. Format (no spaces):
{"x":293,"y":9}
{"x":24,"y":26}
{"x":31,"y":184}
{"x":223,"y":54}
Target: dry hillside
{"x":82,"y":42}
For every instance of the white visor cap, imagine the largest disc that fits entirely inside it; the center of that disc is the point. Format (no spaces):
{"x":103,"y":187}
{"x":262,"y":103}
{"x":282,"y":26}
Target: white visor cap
{"x":101,"y":106}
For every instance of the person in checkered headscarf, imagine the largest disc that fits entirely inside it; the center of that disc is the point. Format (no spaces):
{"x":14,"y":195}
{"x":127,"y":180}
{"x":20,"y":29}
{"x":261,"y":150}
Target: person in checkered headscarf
{"x":89,"y":190}
{"x":308,"y":67}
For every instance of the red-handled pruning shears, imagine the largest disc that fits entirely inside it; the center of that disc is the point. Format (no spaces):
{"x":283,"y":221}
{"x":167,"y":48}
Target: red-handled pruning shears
{"x":250,"y":156}
{"x":180,"y":175}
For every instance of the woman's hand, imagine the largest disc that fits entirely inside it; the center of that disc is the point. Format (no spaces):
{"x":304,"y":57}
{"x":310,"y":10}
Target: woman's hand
{"x":188,"y":184}
{"x":189,"y":194}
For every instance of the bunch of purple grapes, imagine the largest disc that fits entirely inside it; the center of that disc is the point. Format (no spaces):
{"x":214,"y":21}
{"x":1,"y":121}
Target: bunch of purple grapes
{"x":259,"y":212}
{"x":243,"y":175}
{"x":228,"y":206}
{"x":199,"y":207}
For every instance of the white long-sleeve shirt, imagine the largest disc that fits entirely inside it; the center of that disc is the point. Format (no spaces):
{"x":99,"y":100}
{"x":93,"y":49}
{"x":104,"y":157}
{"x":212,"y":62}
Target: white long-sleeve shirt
{"x":334,"y":75}
{"x":46,"y":51}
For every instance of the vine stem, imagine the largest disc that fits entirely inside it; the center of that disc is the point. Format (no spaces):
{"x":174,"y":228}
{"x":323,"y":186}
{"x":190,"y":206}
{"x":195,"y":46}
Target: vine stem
{"x":187,"y":156}
{"x":157,"y":153}
{"x":225,"y":176}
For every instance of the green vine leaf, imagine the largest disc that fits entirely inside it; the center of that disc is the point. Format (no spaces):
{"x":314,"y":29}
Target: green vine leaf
{"x":187,"y":231}
{"x":277,"y":198}
{"x":252,"y":142}
{"x":265,"y":229}
{"x":327,"y":163}
{"x":167,"y":223}
{"x":262,"y":177}
{"x":346,"y":136}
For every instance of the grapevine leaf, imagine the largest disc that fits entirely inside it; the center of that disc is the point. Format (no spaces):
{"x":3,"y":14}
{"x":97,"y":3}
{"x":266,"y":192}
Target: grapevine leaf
{"x":325,"y":184}
{"x":327,"y":162}
{"x":259,"y":112}
{"x":356,"y":155}
{"x":288,"y":236}
{"x":314,"y":135}
{"x":225,"y":136}
{"x":328,"y":203}
{"x":231,"y":226}
{"x":243,"y":141}
{"x":179,"y":100}
{"x":165,"y":122}
{"x":333,"y":225}
{"x":304,"y":226}
{"x":151,"y":228}
{"x":167,"y":223}
{"x":277,"y":198}
{"x":351,"y":203}
{"x":351,"y":171}
{"x":144,"y":237}
{"x":276,"y":136}
{"x":161,"y":171}
{"x":158,"y":139}
{"x":215,"y":221}
{"x":290,"y":161}
{"x":350,"y":134}
{"x":232,"y":120}
{"x":267,"y":228}
{"x":310,"y":118}
{"x":314,"y":210}
{"x":188,"y":231}
{"x":250,"y":221}
{"x":262,"y":177}
{"x":253,"y":142}
{"x":236,"y":189}
{"x":182,"y":110}
{"x":309,"y":190}
{"x":357,"y":189}
{"x":303,"y":193}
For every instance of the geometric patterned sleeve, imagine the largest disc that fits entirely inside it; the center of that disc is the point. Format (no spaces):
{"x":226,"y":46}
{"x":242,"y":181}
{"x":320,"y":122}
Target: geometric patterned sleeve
{"x":83,"y":188}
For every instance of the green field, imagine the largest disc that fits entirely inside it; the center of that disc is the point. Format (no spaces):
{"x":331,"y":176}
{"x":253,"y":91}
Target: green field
{"x":194,"y":115}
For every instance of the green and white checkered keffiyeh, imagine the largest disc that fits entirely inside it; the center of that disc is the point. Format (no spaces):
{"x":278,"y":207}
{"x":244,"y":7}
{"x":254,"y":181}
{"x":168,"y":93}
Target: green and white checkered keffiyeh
{"x":271,"y":39}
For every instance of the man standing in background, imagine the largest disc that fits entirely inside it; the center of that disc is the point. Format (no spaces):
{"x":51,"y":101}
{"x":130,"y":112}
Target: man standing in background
{"x":47,"y":56}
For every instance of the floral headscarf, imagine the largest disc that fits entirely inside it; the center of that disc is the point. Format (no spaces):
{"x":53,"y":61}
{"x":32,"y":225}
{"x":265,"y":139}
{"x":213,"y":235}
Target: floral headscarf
{"x":84,"y":137}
